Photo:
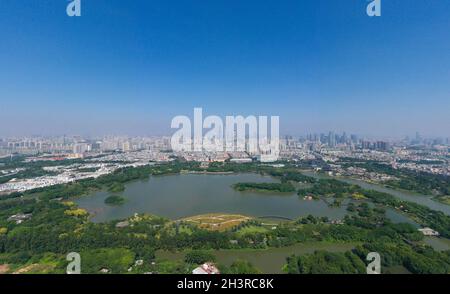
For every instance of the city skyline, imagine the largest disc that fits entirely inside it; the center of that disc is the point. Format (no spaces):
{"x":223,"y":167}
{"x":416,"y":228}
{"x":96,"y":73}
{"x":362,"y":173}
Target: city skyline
{"x":417,"y":136}
{"x":319,"y":65}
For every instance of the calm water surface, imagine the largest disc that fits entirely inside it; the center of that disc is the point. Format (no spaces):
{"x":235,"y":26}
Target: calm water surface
{"x":177,"y":196}
{"x":438,"y":243}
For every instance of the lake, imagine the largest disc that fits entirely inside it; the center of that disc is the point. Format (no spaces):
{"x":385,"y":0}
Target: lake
{"x":182,"y":195}
{"x":178,"y":196}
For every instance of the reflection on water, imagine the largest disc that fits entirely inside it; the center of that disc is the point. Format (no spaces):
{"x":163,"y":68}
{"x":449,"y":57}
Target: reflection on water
{"x":177,"y":196}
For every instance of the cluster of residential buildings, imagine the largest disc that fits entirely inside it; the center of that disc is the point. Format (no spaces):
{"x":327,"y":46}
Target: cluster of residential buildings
{"x":110,"y":153}
{"x":64,"y":174}
{"x":80,"y":145}
{"x":133,"y":156}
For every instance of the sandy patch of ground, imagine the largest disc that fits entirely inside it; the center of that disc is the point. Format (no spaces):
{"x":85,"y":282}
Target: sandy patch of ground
{"x":4,"y":268}
{"x":34,"y":268}
{"x":217,"y":221}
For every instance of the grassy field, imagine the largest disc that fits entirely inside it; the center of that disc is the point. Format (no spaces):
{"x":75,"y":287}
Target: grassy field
{"x":48,"y":263}
{"x":251,"y":230}
{"x":217,"y":221}
{"x":35,"y":268}
{"x":444,"y":199}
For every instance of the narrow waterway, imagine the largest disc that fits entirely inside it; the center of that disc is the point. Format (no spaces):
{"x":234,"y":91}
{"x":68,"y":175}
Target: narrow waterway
{"x":425,"y":200}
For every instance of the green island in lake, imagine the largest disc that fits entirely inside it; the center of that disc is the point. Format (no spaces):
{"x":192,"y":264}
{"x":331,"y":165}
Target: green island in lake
{"x":114,"y":200}
{"x":265,"y":187}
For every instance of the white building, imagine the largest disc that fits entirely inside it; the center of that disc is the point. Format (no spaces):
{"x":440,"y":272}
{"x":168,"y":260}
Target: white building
{"x":206,"y":269}
{"x":429,"y":232}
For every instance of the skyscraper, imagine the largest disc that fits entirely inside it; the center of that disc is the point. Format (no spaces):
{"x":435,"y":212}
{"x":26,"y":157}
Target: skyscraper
{"x":331,"y":139}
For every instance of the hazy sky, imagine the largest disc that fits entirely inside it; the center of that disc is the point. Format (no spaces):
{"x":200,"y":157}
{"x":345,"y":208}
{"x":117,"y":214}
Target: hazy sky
{"x":128,"y":67}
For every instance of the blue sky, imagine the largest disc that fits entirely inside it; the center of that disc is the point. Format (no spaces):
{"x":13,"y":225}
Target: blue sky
{"x":128,"y":67}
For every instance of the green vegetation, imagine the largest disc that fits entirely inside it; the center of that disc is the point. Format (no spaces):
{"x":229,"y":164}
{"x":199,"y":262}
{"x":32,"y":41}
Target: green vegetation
{"x":420,"y":182}
{"x":419,"y":213}
{"x":444,"y":199}
{"x":326,"y":188}
{"x":418,"y":260}
{"x":323,"y":262}
{"x":116,"y":187}
{"x":431,"y":162}
{"x":251,"y":230}
{"x":87,"y":170}
{"x":114,"y":200}
{"x":199,"y":257}
{"x":57,"y":227}
{"x":110,"y":260}
{"x":240,"y":267}
{"x":171,"y":267}
{"x":265,"y":187}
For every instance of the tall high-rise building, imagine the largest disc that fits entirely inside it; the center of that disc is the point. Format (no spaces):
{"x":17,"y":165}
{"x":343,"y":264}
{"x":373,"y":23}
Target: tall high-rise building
{"x":81,"y":148}
{"x":331,"y":139}
{"x":382,"y":145}
{"x":126,"y":146}
{"x":344,"y":138}
{"x":366,"y":145}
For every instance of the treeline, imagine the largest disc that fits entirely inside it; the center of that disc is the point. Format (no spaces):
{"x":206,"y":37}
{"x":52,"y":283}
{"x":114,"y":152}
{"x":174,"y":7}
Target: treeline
{"x":265,"y":187}
{"x":289,"y":174}
{"x":421,"y":182}
{"x":397,"y":245}
{"x":329,"y":188}
{"x":416,"y":259}
{"x":114,"y":200}
{"x":423,"y":260}
{"x":323,"y":262}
